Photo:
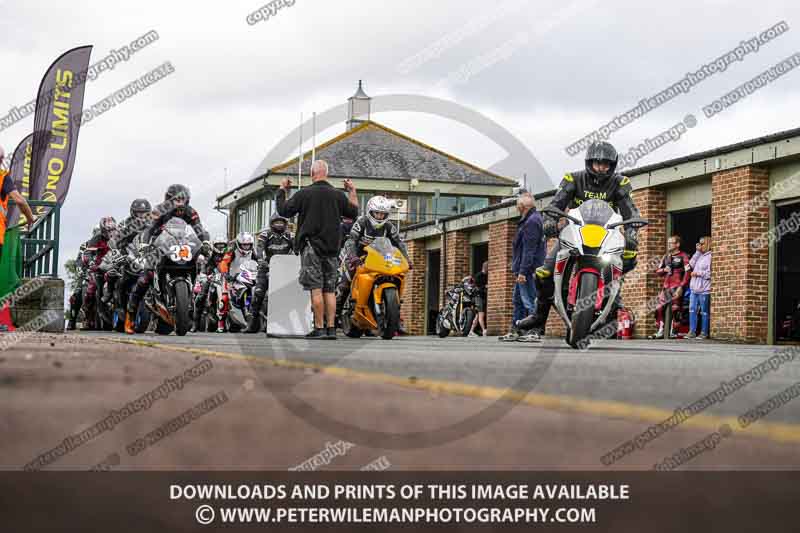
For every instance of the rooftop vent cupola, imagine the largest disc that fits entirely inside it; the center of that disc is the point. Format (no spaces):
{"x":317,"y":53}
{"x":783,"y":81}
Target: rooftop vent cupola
{"x":358,"y":108}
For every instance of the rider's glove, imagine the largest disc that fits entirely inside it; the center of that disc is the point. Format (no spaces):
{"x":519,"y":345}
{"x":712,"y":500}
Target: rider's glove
{"x":353,"y":263}
{"x":628,"y":261}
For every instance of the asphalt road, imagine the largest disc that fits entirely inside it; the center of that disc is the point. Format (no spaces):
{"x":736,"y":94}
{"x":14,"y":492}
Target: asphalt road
{"x":411,"y":403}
{"x":662,"y":374}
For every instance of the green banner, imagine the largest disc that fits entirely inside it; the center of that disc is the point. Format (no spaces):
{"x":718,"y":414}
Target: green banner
{"x":10,"y":262}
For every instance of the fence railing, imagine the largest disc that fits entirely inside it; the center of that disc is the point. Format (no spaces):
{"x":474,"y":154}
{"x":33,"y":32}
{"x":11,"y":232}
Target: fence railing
{"x":39,"y":246}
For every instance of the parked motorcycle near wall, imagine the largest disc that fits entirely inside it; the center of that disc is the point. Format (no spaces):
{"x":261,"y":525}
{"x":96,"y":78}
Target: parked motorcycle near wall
{"x":375,"y":292}
{"x":588,"y":269}
{"x":458,"y":312}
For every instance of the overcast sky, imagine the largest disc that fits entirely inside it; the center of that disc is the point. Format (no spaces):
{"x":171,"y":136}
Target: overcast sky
{"x":549,"y":72}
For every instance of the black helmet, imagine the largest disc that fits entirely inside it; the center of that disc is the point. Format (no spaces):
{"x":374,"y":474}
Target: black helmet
{"x":107,"y":226}
{"x":140,"y":208}
{"x":278,"y":223}
{"x":177,"y":192}
{"x":604,"y":152}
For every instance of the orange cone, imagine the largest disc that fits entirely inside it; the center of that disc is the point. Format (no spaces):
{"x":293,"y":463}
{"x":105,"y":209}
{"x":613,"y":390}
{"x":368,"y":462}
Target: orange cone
{"x":5,"y":319}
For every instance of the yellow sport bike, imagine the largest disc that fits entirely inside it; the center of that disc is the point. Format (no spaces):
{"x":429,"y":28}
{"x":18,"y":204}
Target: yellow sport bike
{"x":375,"y":292}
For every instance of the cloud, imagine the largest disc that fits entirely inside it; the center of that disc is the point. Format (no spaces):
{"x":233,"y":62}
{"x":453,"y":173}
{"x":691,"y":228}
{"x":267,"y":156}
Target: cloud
{"x":237,"y":89}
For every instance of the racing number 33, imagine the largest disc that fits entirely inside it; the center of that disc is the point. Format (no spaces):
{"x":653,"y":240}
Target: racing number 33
{"x":180,"y":253}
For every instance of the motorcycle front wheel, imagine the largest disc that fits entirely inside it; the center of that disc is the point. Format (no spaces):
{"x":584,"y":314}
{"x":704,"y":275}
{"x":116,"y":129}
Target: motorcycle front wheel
{"x":390,"y":306}
{"x":183,"y":308}
{"x":582,"y":318}
{"x":441,"y":330}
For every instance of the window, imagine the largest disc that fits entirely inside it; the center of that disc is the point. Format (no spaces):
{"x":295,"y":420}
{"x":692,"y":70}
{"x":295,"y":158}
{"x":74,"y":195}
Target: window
{"x":472,"y":203}
{"x":446,"y":206}
{"x":421,"y":206}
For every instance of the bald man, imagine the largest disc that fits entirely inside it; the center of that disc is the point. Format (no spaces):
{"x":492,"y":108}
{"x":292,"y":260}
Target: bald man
{"x":320,"y":209}
{"x":527,"y":255}
{"x":9,"y":191}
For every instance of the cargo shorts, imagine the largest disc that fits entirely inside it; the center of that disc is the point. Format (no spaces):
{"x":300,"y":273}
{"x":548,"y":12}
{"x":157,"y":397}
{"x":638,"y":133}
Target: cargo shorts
{"x":318,"y":272}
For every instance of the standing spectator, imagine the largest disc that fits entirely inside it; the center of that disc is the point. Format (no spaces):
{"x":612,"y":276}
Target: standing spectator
{"x":481,"y":279}
{"x":320,"y":209}
{"x":9,"y":190}
{"x":700,"y":285}
{"x":527,"y":256}
{"x":674,"y":268}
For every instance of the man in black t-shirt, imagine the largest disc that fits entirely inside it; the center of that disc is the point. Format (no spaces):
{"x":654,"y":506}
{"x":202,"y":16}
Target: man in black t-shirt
{"x":320,"y":209}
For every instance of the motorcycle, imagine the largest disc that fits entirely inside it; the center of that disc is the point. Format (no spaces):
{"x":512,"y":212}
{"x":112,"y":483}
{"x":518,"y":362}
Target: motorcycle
{"x":113,"y":266}
{"x":588,"y":268}
{"x":80,"y":283}
{"x":375,"y":292}
{"x":458,"y":312}
{"x":200,"y":303}
{"x":127,"y":267}
{"x":240,"y":294}
{"x":217,"y":301}
{"x":169,"y":299}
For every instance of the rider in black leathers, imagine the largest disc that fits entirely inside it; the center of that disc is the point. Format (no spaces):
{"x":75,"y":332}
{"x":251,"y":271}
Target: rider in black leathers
{"x":375,"y":223}
{"x":138,"y":221}
{"x":598,"y":181}
{"x":176,"y":204}
{"x":274,"y":240}
{"x":207,"y":265}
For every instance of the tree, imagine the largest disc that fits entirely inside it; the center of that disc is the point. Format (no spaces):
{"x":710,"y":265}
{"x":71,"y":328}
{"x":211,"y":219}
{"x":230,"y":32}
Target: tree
{"x":71,"y":266}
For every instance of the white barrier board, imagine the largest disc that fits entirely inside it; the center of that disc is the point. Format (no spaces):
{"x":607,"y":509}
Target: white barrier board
{"x":289,"y":306}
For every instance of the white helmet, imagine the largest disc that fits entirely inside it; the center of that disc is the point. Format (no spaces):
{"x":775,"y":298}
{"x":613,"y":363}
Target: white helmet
{"x":376,"y":206}
{"x":244,"y":243}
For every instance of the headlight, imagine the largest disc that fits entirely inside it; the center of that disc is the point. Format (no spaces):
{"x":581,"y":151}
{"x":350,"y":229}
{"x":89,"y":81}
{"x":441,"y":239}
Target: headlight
{"x":593,"y":235}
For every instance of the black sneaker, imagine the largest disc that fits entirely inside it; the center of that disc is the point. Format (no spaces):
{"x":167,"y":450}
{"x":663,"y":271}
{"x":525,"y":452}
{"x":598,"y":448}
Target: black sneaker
{"x":316,"y":333}
{"x":330,"y":334}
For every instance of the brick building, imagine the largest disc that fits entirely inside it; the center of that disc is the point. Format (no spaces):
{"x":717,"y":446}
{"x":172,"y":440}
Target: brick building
{"x":746,"y":196}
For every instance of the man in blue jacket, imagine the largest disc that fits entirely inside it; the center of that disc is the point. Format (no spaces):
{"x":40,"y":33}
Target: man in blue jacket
{"x":528,"y":254}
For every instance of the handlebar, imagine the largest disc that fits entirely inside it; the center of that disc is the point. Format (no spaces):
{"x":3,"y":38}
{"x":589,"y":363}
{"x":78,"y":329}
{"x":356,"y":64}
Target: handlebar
{"x":554,"y":211}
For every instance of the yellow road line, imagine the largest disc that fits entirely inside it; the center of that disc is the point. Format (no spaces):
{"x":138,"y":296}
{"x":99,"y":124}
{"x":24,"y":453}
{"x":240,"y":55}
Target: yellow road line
{"x":775,"y":431}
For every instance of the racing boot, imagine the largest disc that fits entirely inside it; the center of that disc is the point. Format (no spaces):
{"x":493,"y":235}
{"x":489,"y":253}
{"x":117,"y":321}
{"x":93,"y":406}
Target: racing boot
{"x":253,"y":323}
{"x":129,"y":326}
{"x":537,"y":321}
{"x":221,"y":326}
{"x":196,"y":317}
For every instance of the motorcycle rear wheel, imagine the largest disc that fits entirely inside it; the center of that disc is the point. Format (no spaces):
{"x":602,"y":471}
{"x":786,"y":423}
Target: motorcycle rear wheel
{"x":162,"y":328}
{"x":347,"y":325}
{"x":118,"y":320}
{"x":467,"y":317}
{"x":142,"y":320}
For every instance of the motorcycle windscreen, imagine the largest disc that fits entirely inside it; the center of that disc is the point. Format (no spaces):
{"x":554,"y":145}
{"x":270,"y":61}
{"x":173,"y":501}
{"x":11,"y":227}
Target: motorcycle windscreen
{"x":289,"y":306}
